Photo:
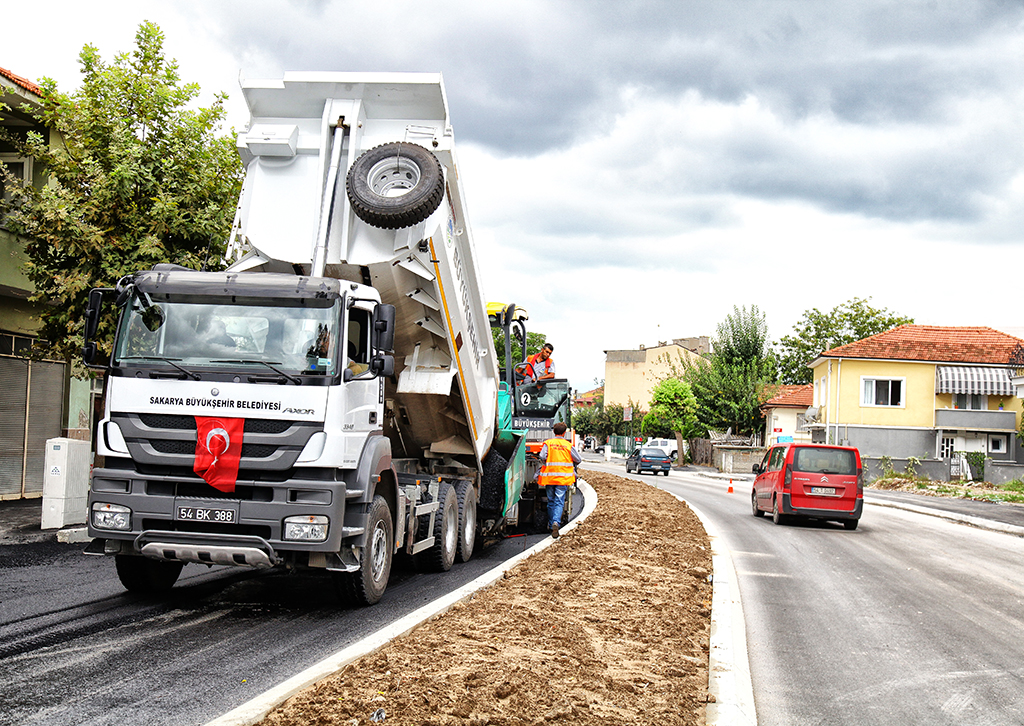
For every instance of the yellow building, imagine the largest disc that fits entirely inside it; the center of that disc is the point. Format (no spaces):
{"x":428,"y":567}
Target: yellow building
{"x":920,"y":390}
{"x":631,"y":375}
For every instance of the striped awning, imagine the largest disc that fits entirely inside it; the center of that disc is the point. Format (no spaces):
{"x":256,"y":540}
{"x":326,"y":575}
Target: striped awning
{"x":972,"y":379}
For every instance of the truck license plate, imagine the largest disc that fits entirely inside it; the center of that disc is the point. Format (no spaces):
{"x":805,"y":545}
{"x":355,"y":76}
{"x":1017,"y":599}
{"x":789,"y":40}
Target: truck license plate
{"x":204,"y":514}
{"x":823,"y":490}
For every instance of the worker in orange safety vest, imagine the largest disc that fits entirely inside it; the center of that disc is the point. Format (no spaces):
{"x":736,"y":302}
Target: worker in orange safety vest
{"x":538,"y":366}
{"x":557,"y":473}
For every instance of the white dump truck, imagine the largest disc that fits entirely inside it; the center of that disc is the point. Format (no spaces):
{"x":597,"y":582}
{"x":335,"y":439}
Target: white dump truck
{"x":332,"y":398}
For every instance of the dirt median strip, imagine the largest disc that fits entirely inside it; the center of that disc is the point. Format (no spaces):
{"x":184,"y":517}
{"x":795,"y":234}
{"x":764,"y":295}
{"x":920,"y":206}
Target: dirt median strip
{"x":609,"y":625}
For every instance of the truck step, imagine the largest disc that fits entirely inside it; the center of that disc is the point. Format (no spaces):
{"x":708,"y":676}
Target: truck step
{"x":424,"y":544}
{"x":354,"y":493}
{"x":424,"y":508}
{"x":352,"y":531}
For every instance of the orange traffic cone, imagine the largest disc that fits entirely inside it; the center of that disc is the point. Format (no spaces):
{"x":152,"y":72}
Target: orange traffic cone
{"x":730,"y":486}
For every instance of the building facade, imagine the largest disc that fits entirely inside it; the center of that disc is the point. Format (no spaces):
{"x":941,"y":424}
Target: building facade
{"x":920,"y":391}
{"x":631,"y":375}
{"x":785,"y":415}
{"x":41,"y":400}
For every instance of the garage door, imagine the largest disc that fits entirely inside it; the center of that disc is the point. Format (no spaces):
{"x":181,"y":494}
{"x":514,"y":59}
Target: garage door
{"x":31,"y":392}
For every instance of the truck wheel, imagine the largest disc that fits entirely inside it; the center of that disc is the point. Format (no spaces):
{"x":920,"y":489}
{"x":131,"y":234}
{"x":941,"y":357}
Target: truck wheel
{"x":466,"y":495}
{"x":441,"y":555}
{"x":395,"y":185}
{"x":145,"y":576}
{"x":366,"y":586}
{"x":492,"y":482}
{"x":851,"y":524}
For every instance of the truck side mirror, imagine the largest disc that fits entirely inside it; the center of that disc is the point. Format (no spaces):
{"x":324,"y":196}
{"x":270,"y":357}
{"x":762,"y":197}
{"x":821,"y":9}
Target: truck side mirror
{"x":92,"y":312}
{"x":89,"y":353}
{"x":92,"y":323}
{"x":383,"y":365}
{"x":383,"y":335}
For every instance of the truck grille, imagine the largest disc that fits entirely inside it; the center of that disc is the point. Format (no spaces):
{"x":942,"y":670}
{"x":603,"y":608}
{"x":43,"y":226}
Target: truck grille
{"x":172,"y":446}
{"x":156,"y":439}
{"x":188,"y":423}
{"x":178,"y":526}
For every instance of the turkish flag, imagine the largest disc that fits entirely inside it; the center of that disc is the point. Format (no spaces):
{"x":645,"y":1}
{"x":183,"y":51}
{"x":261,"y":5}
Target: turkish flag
{"x":218,"y":449}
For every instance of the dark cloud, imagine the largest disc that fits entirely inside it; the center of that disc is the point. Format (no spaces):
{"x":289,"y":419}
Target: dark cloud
{"x":527,"y":78}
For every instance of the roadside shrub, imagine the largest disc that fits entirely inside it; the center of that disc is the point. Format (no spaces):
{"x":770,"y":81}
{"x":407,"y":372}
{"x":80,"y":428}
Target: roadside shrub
{"x":1016,"y":485}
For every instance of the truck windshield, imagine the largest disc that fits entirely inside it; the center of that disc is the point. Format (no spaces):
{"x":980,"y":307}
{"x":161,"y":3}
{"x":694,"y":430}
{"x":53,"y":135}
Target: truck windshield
{"x":281,"y":334}
{"x":547,"y":399}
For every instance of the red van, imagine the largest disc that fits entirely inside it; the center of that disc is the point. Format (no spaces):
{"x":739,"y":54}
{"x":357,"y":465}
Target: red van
{"x":809,"y":480}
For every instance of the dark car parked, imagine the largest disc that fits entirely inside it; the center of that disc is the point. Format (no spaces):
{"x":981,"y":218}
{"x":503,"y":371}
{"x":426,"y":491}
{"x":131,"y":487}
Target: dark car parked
{"x":648,"y":458}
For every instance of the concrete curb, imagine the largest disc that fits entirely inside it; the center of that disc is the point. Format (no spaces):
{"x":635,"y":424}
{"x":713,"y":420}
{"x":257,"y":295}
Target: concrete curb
{"x":255,"y":710}
{"x":728,"y":664}
{"x":74,"y":535}
{"x":979,"y":522}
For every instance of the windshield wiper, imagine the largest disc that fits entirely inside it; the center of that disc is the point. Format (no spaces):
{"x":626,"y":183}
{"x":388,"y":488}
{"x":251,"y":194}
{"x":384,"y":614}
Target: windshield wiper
{"x":294,"y":379}
{"x":162,"y":359}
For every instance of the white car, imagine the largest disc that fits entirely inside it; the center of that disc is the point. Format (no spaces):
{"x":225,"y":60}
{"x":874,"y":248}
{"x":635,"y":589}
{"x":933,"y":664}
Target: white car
{"x":666,"y":445}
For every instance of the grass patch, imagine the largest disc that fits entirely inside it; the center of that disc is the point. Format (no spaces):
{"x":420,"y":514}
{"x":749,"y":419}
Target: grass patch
{"x":1014,"y":486}
{"x":1011,"y":492}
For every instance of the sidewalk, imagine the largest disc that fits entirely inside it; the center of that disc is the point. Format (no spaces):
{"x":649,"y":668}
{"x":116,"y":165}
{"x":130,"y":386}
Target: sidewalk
{"x":1007,"y":518}
{"x":21,"y":523}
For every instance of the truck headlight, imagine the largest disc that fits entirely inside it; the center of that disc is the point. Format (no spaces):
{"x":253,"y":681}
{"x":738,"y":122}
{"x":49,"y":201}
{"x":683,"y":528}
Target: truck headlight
{"x":307,"y":528}
{"x":111,"y":516}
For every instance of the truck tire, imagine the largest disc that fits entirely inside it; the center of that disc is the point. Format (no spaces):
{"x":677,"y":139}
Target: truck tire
{"x":441,"y":555}
{"x":492,"y":482}
{"x":366,"y":586}
{"x":395,"y":185}
{"x":466,"y":496}
{"x":144,"y":576}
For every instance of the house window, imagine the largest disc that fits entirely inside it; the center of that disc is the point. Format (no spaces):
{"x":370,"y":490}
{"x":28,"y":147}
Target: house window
{"x":997,"y":444}
{"x":19,"y":167}
{"x":882,"y":392}
{"x":970,"y":401}
{"x":948,"y":445}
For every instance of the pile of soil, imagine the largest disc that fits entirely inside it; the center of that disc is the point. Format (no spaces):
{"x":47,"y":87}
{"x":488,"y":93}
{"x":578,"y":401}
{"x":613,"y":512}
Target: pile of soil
{"x":609,"y":625}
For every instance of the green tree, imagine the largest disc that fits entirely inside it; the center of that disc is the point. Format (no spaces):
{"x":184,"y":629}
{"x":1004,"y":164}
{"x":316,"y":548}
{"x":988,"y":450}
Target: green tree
{"x":673,"y":411}
{"x":137,"y":175}
{"x":604,"y":421}
{"x":583,"y":420}
{"x":732,"y":382}
{"x":534,"y":341}
{"x":817,"y":332}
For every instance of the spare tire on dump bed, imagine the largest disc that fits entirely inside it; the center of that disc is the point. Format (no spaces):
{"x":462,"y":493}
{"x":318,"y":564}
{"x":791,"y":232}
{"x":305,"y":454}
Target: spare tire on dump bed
{"x":396,"y":185}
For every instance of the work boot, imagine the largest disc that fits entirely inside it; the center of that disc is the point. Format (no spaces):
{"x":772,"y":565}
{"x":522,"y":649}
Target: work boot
{"x":554,"y":531}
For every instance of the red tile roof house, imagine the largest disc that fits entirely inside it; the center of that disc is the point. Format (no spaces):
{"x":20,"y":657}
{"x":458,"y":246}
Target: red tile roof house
{"x":923,"y":391}
{"x":785,"y":414}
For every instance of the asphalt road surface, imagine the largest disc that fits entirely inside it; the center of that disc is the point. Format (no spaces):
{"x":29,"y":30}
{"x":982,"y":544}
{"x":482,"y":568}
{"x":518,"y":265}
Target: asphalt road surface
{"x":910,"y":619}
{"x":75,"y":649}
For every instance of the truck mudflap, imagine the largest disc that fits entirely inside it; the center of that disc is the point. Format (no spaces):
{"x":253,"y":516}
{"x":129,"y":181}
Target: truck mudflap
{"x":235,"y":550}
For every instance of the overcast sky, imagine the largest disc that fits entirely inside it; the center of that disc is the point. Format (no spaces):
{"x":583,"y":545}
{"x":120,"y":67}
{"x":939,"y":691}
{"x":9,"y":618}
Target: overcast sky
{"x":633,"y":170}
